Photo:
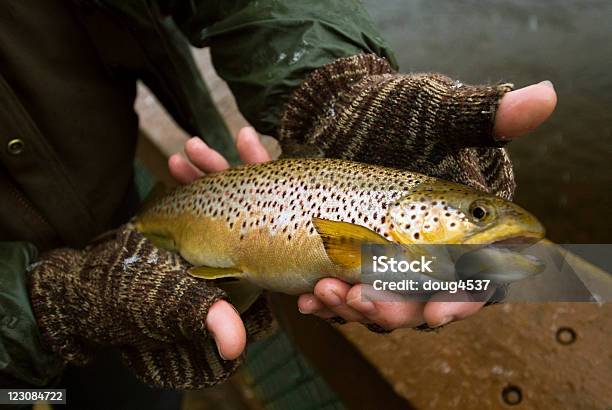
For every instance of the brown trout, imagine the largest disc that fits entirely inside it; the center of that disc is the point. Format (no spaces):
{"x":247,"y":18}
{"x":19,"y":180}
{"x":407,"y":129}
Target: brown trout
{"x":285,"y":224}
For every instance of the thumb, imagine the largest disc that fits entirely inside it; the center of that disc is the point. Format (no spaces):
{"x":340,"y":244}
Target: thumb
{"x":520,"y":111}
{"x":226,"y":327}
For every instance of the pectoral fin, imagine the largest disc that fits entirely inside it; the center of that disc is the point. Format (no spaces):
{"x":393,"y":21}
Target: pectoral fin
{"x":208,"y":272}
{"x":161,"y":241}
{"x":343,"y":241}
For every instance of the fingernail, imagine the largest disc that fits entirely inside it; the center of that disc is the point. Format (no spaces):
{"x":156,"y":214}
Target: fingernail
{"x":235,"y":310}
{"x":221,"y":354}
{"x":307,"y":305}
{"x":305,"y":311}
{"x":217,"y":344}
{"x":445,"y":320}
{"x":548,"y":84}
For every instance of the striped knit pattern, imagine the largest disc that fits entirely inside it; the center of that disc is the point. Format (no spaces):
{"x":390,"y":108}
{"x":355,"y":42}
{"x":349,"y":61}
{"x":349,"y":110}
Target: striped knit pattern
{"x":357,"y":108}
{"x":124,"y":292}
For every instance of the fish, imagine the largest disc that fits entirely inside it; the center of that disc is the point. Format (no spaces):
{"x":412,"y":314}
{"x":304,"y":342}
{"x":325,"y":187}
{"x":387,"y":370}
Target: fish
{"x":285,"y":224}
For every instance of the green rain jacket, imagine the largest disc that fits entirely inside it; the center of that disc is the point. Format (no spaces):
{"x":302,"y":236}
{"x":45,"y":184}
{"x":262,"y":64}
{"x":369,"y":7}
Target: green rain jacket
{"x":68,"y":73}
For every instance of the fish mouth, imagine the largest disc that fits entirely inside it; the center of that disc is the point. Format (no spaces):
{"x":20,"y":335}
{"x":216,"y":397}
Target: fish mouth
{"x":517,"y":242}
{"x":500,"y":265}
{"x":507,"y":235}
{"x":502,"y":260}
{"x":499,"y":253}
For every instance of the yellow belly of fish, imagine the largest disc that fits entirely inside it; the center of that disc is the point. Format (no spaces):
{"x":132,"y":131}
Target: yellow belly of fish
{"x":266,"y":259}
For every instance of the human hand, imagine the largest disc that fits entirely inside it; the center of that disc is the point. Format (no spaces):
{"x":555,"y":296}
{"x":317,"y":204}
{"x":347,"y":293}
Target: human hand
{"x":124,"y":292}
{"x":523,"y":110}
{"x":519,"y":112}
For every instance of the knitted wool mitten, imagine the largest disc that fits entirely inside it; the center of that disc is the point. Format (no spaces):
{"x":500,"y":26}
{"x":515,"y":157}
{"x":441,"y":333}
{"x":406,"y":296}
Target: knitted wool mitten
{"x":358,"y":108}
{"x":124,"y":292}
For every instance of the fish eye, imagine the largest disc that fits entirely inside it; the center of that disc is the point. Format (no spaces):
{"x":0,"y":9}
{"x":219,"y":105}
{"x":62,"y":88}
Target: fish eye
{"x":478,"y":212}
{"x":481,"y":210}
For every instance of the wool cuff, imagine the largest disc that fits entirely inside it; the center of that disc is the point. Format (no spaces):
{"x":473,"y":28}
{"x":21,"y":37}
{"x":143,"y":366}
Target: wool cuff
{"x":362,"y":95}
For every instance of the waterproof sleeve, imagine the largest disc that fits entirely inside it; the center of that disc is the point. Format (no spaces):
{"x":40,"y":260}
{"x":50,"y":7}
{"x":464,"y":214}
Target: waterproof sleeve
{"x":23,"y":357}
{"x":264,"y":49}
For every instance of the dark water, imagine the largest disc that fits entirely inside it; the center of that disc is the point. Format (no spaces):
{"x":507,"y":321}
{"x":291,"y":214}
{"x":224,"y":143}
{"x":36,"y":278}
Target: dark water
{"x":564,"y":169}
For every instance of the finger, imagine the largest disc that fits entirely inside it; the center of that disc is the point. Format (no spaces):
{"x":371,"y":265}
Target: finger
{"x":523,"y":110}
{"x":386,"y":309}
{"x":250,"y":148}
{"x":226,"y":326}
{"x":440,"y":312}
{"x":332,"y":293}
{"x":203,"y":157}
{"x":182,"y":170}
{"x":309,"y":304}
